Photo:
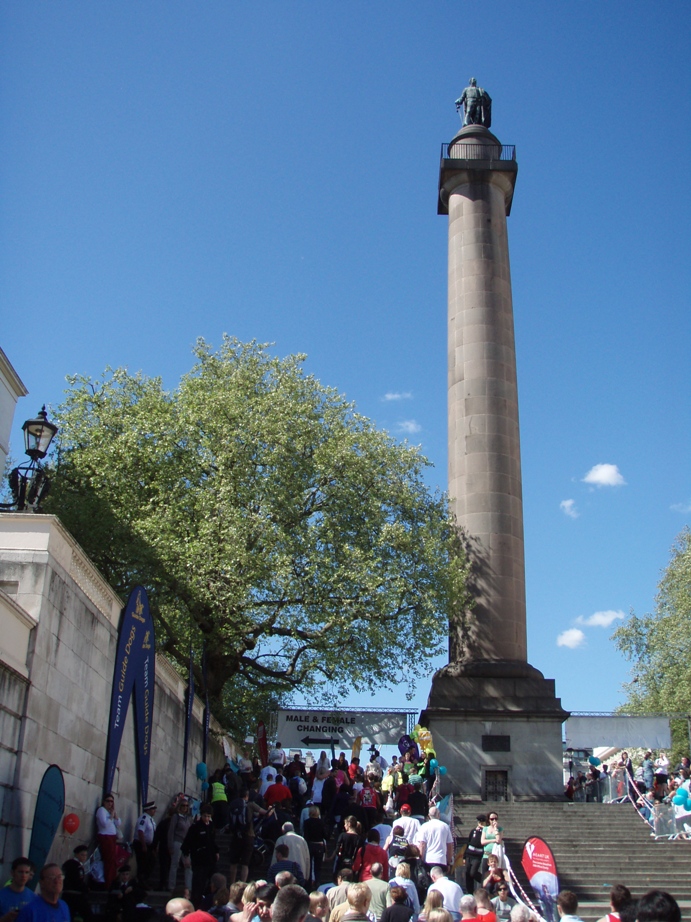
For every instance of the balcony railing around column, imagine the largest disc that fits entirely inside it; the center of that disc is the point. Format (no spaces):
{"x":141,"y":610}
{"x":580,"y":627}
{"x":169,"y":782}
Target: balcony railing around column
{"x":477,"y":151}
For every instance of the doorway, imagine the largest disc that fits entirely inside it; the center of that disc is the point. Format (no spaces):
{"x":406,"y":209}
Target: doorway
{"x":496,"y":786}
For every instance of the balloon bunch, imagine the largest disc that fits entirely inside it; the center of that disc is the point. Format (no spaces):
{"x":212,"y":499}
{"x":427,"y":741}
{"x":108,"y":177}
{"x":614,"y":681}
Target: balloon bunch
{"x":202,"y":775}
{"x":682,"y":798}
{"x":423,"y":737}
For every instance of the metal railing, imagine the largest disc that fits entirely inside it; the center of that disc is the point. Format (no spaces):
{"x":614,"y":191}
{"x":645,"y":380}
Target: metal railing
{"x":666,"y":820}
{"x":462,"y":150}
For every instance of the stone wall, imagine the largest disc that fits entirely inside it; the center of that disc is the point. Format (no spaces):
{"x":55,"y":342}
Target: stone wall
{"x":58,"y":636}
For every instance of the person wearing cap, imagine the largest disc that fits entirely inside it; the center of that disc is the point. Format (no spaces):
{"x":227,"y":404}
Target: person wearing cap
{"x":409,"y":824}
{"x":75,"y":892}
{"x":123,"y":895}
{"x":143,"y":843}
{"x":200,"y":846}
{"x":473,"y":855}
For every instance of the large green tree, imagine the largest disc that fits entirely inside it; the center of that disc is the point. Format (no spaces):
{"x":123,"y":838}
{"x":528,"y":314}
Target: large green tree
{"x":659,"y":647}
{"x":266,"y":518}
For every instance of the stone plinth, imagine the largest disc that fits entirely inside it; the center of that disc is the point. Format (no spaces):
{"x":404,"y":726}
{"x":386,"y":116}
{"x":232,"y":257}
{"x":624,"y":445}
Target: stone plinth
{"x":500,"y":718}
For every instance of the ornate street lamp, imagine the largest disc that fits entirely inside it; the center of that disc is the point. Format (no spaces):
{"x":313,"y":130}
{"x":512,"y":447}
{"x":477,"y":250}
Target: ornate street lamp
{"x":28,"y":482}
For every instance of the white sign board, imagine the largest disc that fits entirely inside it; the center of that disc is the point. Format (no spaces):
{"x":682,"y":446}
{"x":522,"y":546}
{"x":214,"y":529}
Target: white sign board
{"x":315,"y":729}
{"x":619,"y":731}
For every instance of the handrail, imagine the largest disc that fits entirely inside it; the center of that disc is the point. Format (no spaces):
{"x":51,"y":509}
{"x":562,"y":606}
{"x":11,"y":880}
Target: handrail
{"x":650,"y":805}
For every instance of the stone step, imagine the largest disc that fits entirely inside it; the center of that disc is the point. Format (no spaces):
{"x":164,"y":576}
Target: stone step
{"x":591,"y":911}
{"x":594,"y":845}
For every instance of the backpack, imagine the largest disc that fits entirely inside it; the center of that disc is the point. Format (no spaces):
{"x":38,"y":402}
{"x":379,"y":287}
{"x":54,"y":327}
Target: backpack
{"x":297,"y":786}
{"x":237,"y":820}
{"x":420,"y":876}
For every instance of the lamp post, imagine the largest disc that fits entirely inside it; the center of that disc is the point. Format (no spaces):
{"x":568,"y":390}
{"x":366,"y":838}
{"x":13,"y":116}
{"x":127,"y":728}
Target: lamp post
{"x":28,"y":482}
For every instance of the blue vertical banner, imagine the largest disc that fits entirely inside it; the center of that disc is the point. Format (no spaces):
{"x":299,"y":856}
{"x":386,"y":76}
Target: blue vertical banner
{"x":188,"y":721}
{"x":50,"y":805}
{"x":135,"y":646}
{"x":144,"y":688}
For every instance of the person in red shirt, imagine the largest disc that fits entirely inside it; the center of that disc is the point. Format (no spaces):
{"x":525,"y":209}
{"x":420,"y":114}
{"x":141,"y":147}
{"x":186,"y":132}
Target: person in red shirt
{"x":277,"y":792}
{"x":353,"y":768}
{"x":403,"y":792}
{"x":485,"y":909}
{"x":371,"y":854}
{"x":370,"y":801}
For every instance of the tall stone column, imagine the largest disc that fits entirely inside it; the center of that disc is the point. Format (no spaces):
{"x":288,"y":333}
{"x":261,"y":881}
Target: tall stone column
{"x":495,"y":719}
{"x":484,"y":445}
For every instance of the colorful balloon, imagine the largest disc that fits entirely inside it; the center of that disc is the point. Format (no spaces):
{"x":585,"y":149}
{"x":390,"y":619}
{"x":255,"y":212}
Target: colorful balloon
{"x":442,"y":769}
{"x":424,"y":737}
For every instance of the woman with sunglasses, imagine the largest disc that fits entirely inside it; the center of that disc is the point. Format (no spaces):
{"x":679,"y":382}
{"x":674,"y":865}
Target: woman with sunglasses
{"x":107,"y":824}
{"x":489,"y":837}
{"x":503,"y":903}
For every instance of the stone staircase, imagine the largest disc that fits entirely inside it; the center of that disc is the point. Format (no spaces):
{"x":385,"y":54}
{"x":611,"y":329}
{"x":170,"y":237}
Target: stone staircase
{"x":594,"y":845}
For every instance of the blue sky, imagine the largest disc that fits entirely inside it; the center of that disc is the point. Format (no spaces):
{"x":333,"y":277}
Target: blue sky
{"x":172,"y":170}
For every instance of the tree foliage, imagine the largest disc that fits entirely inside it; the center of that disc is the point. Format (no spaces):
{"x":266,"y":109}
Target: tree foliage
{"x":266,"y":518}
{"x":659,"y":646}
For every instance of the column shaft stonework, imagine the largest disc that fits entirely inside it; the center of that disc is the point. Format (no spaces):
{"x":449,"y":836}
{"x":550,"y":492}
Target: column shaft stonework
{"x":484,"y":444}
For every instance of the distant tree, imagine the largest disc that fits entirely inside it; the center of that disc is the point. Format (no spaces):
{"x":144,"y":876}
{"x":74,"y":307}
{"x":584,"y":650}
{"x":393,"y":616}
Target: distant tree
{"x":265,"y":517}
{"x":659,"y":646}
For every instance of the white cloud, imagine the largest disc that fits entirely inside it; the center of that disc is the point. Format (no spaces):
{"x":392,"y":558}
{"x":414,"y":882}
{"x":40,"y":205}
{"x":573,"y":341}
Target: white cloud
{"x":571,"y":638}
{"x":681,"y":507}
{"x":409,"y":426}
{"x":601,"y":618}
{"x":568,"y":507}
{"x":604,"y":475}
{"x":397,"y":395}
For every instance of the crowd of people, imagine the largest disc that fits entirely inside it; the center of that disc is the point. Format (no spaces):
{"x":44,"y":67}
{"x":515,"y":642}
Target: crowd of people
{"x":374,"y":831}
{"x":652,"y":786}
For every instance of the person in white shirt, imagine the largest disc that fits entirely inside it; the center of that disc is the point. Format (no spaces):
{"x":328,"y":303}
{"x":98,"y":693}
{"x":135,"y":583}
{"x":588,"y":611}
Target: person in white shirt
{"x":143,"y":843}
{"x":435,"y":841}
{"x":267,"y":781}
{"x":383,"y":829}
{"x":449,"y":889}
{"x":277,"y":756}
{"x":408,"y":823}
{"x":298,"y":850}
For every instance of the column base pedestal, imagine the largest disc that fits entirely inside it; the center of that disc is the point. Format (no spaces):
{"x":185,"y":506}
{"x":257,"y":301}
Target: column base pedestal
{"x":496,"y":726}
